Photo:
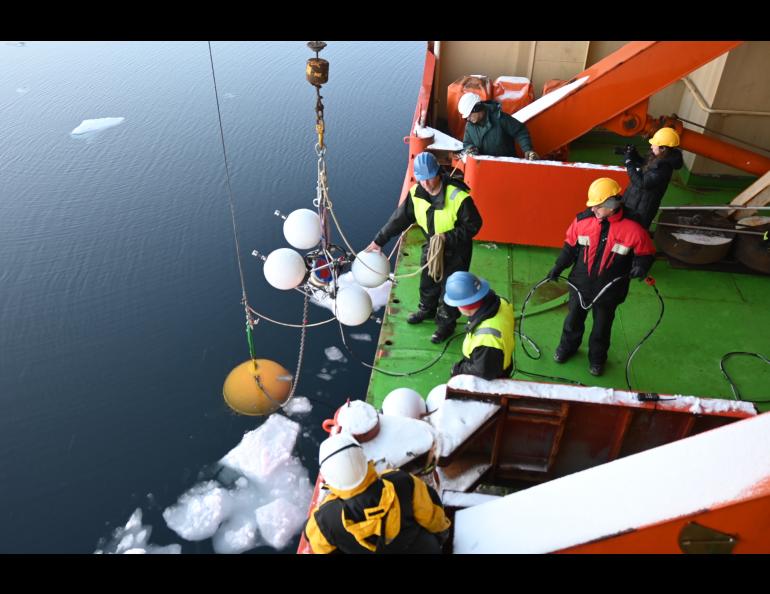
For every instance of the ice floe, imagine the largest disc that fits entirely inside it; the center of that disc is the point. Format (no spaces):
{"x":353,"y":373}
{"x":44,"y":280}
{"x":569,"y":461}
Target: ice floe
{"x":96,"y":125}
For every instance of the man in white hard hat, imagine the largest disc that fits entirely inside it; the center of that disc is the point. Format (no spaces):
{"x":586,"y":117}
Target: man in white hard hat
{"x":367,"y":512}
{"x":491,"y":131}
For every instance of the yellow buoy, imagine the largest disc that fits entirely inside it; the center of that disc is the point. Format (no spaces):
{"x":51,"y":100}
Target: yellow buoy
{"x":245,"y":394}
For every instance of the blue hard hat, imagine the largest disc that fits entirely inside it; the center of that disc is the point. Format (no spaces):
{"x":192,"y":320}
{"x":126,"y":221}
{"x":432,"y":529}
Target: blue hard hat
{"x":425,"y":166}
{"x":464,"y":288}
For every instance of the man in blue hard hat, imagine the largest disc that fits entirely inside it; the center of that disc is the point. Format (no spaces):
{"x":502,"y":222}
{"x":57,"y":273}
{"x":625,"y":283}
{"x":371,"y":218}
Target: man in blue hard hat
{"x":440,"y":206}
{"x":488,"y":345}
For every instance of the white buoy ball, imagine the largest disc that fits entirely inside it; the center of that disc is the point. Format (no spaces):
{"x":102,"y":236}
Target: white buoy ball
{"x":357,"y":417}
{"x":404,"y":402}
{"x":371,"y":269}
{"x":302,"y":229}
{"x":436,"y":397}
{"x":285,"y":269}
{"x":354,"y":306}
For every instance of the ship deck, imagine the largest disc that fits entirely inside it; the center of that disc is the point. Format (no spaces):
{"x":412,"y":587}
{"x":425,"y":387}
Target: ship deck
{"x":707,"y":314}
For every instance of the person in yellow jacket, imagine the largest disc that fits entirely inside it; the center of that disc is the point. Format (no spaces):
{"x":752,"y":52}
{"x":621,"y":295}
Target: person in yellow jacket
{"x":367,"y":512}
{"x":489,"y":341}
{"x":439,"y":205}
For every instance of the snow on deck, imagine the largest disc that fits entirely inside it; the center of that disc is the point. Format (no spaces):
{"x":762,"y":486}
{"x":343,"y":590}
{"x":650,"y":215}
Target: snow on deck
{"x":542,"y":162}
{"x":705,"y":471}
{"x":441,"y":141}
{"x":546,"y":101}
{"x":456,"y":420}
{"x":599,"y":395}
{"x":399,"y":441}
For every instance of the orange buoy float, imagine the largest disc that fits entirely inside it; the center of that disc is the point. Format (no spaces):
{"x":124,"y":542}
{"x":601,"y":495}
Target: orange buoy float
{"x":257,"y":387}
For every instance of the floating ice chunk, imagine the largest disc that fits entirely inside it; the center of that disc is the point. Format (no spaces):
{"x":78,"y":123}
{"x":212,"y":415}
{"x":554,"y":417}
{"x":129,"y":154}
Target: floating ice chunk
{"x":334,"y":354}
{"x":299,"y":405}
{"x":279,"y":521}
{"x":237,"y":534}
{"x":362,"y":337}
{"x":198,"y":512}
{"x":264,"y":449}
{"x":324,"y":376}
{"x":22,"y":90}
{"x":133,"y":539}
{"x":96,"y":125}
{"x":229,"y":95}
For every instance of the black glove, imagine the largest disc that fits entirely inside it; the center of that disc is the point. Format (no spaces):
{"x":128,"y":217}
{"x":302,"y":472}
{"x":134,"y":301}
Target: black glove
{"x":637,"y":272}
{"x":455,"y":369}
{"x":554,"y":273}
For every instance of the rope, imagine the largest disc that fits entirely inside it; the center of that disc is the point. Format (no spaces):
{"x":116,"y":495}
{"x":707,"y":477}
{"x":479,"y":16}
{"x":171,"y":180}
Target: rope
{"x":287,"y":324}
{"x":435,"y":260}
{"x":733,"y":387}
{"x":244,"y":298}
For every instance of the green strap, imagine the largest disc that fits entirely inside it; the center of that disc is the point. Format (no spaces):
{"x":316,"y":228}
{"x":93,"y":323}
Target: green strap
{"x":250,"y":339}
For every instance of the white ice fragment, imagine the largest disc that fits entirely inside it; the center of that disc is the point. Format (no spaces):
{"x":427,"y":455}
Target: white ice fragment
{"x":324,"y":376}
{"x":334,"y":354}
{"x":237,"y":534}
{"x":22,"y":90}
{"x":362,"y":337}
{"x":279,"y":521}
{"x":96,"y":125}
{"x":133,"y":539}
{"x":199,"y":511}
{"x":264,"y":449}
{"x":299,"y":405}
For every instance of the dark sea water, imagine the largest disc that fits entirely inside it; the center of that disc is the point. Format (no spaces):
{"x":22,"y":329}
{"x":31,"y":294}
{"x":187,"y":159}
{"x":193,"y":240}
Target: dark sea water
{"x":120,"y":310}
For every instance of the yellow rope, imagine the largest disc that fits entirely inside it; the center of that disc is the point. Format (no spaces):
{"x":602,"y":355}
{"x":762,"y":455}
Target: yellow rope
{"x":436,"y":257}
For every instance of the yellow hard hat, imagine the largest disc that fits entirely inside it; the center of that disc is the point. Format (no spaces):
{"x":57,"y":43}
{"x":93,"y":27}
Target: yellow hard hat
{"x":601,"y":189}
{"x":665,"y":137}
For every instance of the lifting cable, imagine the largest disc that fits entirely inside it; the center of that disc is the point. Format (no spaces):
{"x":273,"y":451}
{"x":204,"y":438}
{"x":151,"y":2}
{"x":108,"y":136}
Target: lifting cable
{"x":250,"y":321}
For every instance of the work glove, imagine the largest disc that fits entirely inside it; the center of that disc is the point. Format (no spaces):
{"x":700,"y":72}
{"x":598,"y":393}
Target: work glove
{"x":554,"y":273}
{"x":531,"y":156}
{"x":455,"y":369}
{"x":637,"y":272}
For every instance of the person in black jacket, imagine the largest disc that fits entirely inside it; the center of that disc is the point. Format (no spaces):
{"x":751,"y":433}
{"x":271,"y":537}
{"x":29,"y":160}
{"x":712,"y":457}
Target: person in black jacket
{"x":603,"y":245}
{"x":439,"y":205}
{"x":649,"y":177}
{"x":371,"y":512}
{"x":491,"y":131}
{"x":488,"y":345}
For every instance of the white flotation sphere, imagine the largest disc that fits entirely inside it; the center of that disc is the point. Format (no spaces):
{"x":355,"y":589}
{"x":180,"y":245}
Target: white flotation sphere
{"x":371,"y":269}
{"x":436,"y":397}
{"x":246,"y":396}
{"x":354,"y":306}
{"x":358,"y":418}
{"x":302,"y":229}
{"x":404,"y":402}
{"x":285,"y":269}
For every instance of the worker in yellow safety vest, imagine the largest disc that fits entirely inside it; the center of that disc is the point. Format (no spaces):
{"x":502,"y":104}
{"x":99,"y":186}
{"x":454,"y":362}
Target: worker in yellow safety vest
{"x":489,"y":342}
{"x":441,"y":206}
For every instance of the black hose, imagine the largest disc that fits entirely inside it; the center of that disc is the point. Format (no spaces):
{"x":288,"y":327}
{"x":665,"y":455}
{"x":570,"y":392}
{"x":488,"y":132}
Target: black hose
{"x":733,"y":387}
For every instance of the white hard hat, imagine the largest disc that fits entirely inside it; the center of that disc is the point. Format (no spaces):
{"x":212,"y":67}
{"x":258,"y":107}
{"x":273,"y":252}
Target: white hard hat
{"x":467,"y":103}
{"x":342,"y":461}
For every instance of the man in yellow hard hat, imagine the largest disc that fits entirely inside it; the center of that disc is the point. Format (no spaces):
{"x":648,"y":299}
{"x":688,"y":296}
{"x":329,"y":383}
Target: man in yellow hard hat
{"x":603,"y":245}
{"x":650,"y":176}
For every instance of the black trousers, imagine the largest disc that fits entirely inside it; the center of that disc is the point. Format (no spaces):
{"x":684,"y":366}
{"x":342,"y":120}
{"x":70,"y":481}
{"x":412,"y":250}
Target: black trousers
{"x":432,"y":293}
{"x":574,"y":326}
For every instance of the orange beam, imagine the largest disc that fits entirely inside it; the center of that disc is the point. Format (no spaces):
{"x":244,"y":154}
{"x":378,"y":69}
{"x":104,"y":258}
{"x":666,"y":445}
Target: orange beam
{"x":723,"y":152}
{"x":618,"y":82}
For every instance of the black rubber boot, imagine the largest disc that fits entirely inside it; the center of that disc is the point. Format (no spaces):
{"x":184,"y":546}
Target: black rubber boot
{"x":442,"y":333}
{"x":420,"y":316}
{"x":561,"y":355}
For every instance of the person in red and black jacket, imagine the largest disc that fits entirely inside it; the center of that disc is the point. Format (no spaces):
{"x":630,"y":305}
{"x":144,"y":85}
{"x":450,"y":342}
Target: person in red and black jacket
{"x":602,"y":245}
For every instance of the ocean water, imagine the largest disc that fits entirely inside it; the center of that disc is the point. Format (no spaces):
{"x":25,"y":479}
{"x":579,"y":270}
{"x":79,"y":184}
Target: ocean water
{"x":120,"y":310}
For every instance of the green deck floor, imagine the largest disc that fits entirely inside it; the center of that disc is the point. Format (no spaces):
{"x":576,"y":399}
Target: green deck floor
{"x":707,"y":314}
